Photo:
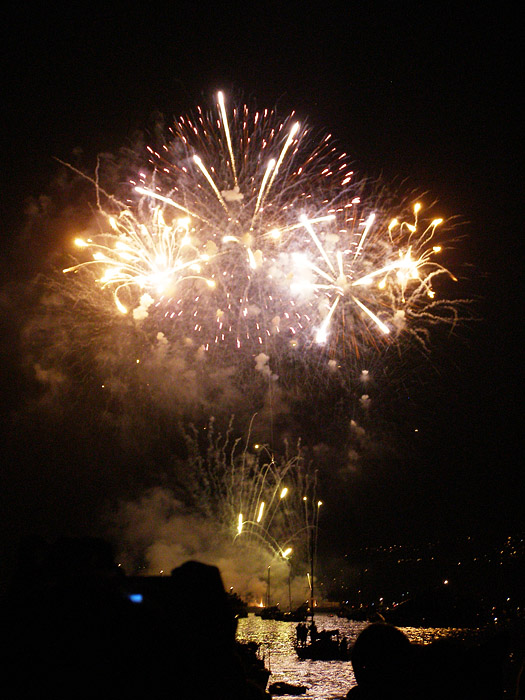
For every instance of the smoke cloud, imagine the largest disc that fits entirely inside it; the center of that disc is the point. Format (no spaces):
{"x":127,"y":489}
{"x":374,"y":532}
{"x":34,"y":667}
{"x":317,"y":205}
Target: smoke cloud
{"x":156,"y":533}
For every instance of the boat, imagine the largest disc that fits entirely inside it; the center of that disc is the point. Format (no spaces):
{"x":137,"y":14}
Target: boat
{"x":298,"y":615}
{"x":355,"y":613}
{"x":326,"y":645}
{"x":284,"y":688}
{"x":274,"y":612}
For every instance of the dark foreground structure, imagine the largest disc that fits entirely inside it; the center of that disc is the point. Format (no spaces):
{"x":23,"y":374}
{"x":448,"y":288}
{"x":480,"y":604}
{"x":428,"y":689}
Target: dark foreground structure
{"x":75,"y":627}
{"x":387,"y":665}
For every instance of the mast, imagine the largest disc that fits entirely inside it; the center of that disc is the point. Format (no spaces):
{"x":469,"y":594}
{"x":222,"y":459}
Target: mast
{"x":313,"y":550}
{"x":312,"y":528}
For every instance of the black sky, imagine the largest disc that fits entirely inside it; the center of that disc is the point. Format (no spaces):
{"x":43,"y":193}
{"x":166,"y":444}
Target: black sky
{"x":412,"y":91}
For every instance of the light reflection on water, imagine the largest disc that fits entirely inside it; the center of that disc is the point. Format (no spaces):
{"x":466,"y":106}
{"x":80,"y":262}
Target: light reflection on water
{"x":325,"y":680}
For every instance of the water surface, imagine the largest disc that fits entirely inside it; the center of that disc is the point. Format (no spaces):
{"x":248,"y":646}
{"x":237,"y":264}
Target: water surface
{"x":325,"y":680}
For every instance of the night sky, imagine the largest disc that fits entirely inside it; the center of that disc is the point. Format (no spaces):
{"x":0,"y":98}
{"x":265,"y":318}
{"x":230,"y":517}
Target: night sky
{"x":421,"y":94}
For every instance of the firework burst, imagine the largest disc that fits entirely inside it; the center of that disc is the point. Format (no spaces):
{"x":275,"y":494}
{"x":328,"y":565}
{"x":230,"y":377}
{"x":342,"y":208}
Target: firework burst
{"x":259,"y":499}
{"x":242,"y":270}
{"x":246,"y":237}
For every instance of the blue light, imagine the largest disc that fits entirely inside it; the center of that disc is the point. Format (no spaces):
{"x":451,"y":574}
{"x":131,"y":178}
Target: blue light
{"x":136,"y":597}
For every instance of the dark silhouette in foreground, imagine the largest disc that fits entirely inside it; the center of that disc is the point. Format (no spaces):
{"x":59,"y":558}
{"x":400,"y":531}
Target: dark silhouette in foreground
{"x":75,"y":627}
{"x":381,"y":659}
{"x":387,"y":665}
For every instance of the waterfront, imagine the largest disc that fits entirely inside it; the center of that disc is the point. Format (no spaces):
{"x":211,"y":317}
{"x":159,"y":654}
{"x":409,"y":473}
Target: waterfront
{"x":325,"y":680}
